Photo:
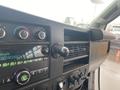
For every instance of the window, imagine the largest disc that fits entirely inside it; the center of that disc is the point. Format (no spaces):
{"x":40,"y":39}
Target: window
{"x":74,"y":12}
{"x":114,"y":27}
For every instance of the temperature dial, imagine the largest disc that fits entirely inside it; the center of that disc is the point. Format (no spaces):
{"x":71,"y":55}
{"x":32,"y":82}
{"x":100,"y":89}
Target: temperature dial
{"x":22,"y":33}
{"x":41,"y":35}
{"x":2,"y":32}
{"x":22,"y":77}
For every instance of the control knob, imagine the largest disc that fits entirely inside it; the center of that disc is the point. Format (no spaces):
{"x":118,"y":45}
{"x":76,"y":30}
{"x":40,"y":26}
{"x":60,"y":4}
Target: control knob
{"x":22,"y":33}
{"x":22,"y":77}
{"x":59,"y":50}
{"x":2,"y":32}
{"x":45,"y":50}
{"x":41,"y":35}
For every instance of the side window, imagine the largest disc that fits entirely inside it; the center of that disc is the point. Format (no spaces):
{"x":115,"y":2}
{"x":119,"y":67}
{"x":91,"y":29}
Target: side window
{"x":114,"y":27}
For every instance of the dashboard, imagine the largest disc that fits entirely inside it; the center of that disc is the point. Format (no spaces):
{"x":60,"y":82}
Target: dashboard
{"x":40,"y":54}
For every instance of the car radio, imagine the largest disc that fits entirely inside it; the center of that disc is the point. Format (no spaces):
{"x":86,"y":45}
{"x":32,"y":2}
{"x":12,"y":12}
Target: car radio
{"x":17,"y":60}
{"x":24,"y":54}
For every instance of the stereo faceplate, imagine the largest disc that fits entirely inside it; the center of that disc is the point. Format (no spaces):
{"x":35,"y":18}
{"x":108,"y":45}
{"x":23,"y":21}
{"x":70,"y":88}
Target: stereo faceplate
{"x":23,"y":64}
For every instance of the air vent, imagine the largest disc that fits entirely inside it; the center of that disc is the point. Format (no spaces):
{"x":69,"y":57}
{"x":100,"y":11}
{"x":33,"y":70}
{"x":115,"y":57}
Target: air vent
{"x":77,"y":50}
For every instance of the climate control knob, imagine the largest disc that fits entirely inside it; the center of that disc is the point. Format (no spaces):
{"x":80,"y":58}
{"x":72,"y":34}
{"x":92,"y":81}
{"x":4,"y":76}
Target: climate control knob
{"x":22,"y":33}
{"x":22,"y":77}
{"x":41,"y":35}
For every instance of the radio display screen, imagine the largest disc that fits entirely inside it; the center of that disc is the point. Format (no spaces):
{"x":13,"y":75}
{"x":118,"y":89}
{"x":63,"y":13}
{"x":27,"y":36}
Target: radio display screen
{"x":20,"y":52}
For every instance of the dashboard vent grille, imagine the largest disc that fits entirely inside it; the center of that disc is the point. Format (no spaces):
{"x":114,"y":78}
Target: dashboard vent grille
{"x":76,"y":50}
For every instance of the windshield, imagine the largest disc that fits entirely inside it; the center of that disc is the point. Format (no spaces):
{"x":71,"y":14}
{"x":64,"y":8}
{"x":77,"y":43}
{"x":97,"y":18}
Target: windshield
{"x":74,"y":12}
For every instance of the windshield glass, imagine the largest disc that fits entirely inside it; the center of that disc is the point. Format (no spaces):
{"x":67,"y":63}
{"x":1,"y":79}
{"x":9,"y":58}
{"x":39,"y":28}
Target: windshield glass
{"x":74,"y":12}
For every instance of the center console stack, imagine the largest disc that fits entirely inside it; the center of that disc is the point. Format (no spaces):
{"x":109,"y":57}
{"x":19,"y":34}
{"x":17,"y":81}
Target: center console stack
{"x":40,"y":54}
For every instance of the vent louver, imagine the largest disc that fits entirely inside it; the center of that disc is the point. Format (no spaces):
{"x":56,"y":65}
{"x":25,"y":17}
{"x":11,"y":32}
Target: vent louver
{"x":77,"y":50}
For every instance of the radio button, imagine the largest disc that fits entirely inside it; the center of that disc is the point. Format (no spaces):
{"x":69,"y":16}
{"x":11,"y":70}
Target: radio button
{"x":33,"y":73}
{"x":23,"y":77}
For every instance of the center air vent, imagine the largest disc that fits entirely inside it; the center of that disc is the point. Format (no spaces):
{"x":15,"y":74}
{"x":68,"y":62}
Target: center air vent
{"x":77,"y":50}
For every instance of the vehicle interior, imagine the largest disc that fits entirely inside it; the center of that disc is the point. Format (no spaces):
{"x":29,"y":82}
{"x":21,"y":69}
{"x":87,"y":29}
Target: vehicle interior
{"x":42,"y":54}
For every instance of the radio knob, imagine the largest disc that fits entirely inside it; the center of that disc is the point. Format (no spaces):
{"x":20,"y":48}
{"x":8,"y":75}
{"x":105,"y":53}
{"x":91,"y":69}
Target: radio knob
{"x":22,"y":77}
{"x":41,"y":35}
{"x":2,"y":32}
{"x":22,"y":33}
{"x":45,"y":50}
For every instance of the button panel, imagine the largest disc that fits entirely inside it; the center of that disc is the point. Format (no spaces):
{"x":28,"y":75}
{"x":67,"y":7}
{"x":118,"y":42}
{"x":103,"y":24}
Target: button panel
{"x":39,"y":71}
{"x":21,"y":74}
{"x":5,"y":81}
{"x":23,"y":77}
{"x":15,"y":32}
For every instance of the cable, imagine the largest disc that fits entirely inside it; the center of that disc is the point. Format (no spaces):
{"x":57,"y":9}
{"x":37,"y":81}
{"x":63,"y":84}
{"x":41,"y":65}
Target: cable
{"x":99,"y":78}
